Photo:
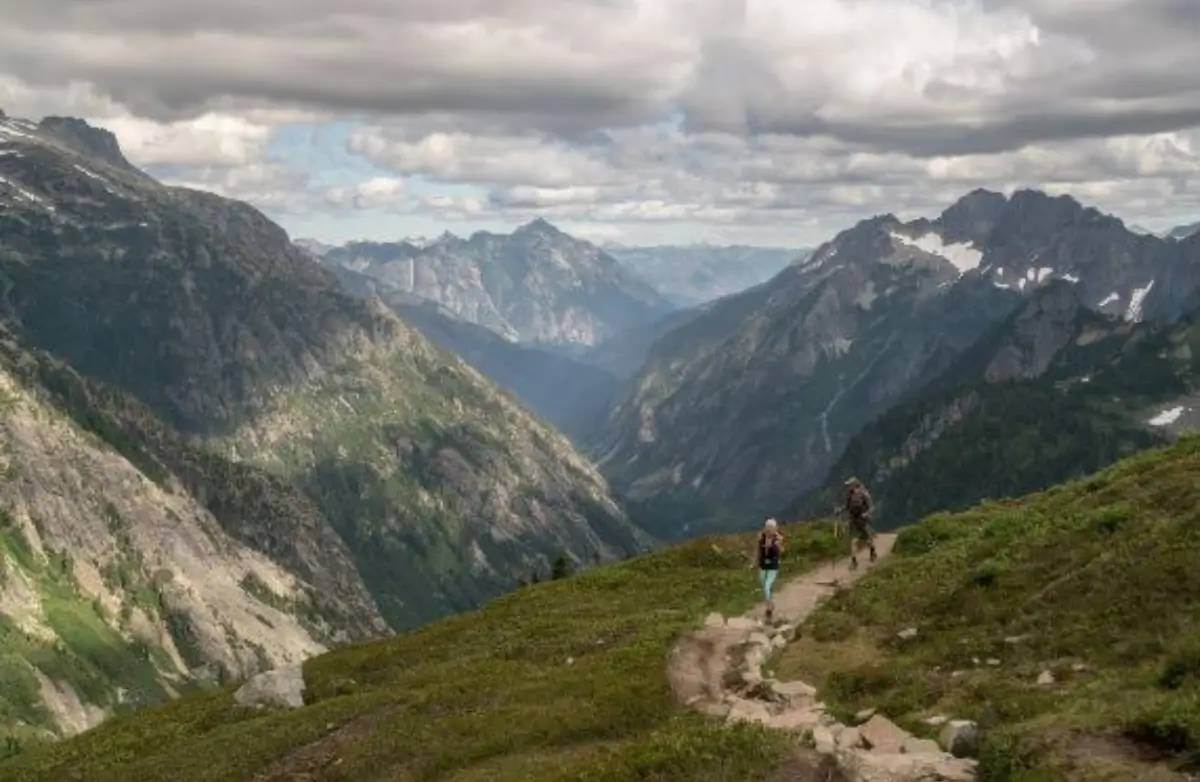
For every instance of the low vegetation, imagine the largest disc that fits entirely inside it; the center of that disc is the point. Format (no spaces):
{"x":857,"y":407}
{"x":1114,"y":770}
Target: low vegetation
{"x":1066,"y":623}
{"x":70,"y":644}
{"x":564,"y":679}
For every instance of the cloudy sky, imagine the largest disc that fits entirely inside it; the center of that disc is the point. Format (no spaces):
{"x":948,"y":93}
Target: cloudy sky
{"x":765,"y":121}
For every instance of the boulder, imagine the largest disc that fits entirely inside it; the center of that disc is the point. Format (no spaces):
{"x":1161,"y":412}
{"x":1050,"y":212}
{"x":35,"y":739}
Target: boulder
{"x":880,"y":734}
{"x":960,"y":738}
{"x":916,"y":746}
{"x":874,"y":767}
{"x":281,"y":687}
{"x":849,"y":738}
{"x":823,"y":740}
{"x":796,"y":720}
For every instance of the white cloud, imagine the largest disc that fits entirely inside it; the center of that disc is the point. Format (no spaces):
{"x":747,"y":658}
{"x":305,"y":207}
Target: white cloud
{"x":376,"y":193}
{"x":208,"y":140}
{"x":744,"y":115}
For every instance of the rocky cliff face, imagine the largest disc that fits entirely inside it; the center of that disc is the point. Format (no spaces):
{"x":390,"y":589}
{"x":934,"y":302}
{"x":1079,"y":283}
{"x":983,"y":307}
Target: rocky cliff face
{"x":1055,"y":391}
{"x":536,"y":285}
{"x":361,"y":453}
{"x":119,"y":586}
{"x":754,"y":400}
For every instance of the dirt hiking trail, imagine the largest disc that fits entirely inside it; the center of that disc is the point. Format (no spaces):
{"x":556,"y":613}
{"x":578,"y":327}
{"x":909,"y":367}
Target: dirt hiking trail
{"x":718,"y":671}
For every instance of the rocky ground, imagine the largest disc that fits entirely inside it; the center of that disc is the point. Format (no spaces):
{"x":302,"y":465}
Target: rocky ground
{"x":719,"y":671}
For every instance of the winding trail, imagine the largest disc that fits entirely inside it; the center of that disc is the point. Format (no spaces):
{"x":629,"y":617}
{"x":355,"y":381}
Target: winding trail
{"x":717,"y":670}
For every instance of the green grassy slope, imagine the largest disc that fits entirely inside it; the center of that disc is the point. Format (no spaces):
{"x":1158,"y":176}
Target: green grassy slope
{"x":559,"y":680}
{"x":1096,"y":582}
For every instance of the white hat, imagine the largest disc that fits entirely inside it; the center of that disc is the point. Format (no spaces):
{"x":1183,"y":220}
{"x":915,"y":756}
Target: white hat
{"x":772,"y":524}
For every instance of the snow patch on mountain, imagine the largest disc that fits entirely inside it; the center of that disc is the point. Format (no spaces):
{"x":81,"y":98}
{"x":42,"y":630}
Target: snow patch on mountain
{"x":1109,"y":299}
{"x":24,"y":195}
{"x":964,"y":256}
{"x":1038,"y":275}
{"x":1167,"y":417}
{"x":1134,"y":313}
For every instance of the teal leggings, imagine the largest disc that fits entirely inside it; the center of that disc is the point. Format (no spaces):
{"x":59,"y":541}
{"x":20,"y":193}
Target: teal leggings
{"x":767,"y":578}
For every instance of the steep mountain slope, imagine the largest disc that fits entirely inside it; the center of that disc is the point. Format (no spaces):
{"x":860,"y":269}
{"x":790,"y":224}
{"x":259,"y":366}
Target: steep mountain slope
{"x":444,"y":489}
{"x":1054,"y":392}
{"x":125,"y":578}
{"x":1184,"y":231}
{"x":753,"y":402}
{"x":536,"y":284}
{"x":571,"y":395}
{"x":694,"y":274}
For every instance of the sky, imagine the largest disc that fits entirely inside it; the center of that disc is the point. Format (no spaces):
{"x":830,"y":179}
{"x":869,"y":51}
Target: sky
{"x":771,"y":122}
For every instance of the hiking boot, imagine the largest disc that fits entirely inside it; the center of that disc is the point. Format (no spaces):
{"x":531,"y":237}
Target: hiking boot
{"x":770,"y":614}
{"x":854,"y":563}
{"x":873,"y":557}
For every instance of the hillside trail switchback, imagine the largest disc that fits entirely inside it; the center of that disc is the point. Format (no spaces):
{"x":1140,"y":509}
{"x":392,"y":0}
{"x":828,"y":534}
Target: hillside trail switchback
{"x":717,"y":670}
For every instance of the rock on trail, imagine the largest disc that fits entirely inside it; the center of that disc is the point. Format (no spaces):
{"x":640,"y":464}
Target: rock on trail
{"x":718,"y":671}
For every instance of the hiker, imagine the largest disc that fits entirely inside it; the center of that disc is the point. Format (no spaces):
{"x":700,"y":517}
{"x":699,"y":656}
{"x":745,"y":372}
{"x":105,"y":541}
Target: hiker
{"x":857,"y":506}
{"x":768,"y":550}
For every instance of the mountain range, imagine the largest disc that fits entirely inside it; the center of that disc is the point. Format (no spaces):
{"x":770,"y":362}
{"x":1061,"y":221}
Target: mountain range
{"x":226,"y":451}
{"x":568,"y":393}
{"x":536,"y":285}
{"x":218,"y":460}
{"x":750,"y":404}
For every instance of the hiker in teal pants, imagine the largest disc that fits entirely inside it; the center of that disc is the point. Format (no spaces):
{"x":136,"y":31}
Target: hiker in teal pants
{"x":768,"y":551}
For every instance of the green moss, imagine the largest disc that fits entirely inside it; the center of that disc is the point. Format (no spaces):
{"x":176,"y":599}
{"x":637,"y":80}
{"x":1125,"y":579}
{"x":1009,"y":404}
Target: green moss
{"x":560,"y":680}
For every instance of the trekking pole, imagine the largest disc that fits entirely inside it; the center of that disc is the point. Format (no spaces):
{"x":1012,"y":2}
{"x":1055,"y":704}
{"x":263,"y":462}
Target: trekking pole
{"x":837,"y":536}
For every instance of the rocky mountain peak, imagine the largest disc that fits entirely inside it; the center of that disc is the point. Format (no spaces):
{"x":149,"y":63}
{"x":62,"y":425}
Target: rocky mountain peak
{"x":86,"y":139}
{"x":972,"y":217}
{"x":539,"y":227}
{"x":1032,"y":211}
{"x":537,"y":284}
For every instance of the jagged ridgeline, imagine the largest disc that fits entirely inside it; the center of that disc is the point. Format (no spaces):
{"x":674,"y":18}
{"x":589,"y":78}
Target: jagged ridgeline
{"x":751,"y":402}
{"x":1053,"y":392}
{"x":190,"y":350}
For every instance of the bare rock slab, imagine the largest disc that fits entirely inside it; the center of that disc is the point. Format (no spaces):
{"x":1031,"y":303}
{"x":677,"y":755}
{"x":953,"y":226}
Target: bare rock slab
{"x":278,"y":688}
{"x":882,"y":735}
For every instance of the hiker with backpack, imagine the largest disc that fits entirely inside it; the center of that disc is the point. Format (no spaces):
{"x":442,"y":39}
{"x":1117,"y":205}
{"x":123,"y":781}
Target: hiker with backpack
{"x":857,"y":505}
{"x":767,"y":554}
